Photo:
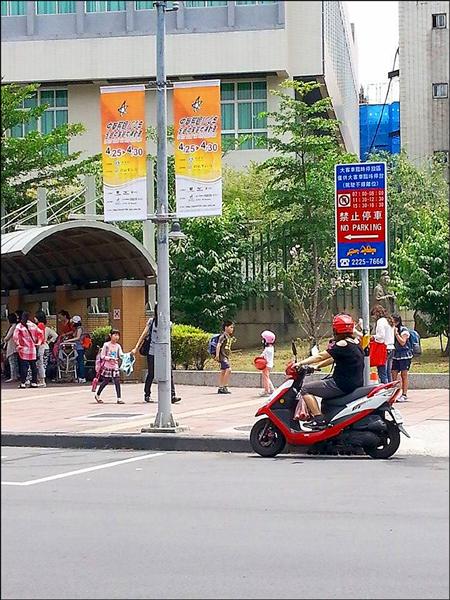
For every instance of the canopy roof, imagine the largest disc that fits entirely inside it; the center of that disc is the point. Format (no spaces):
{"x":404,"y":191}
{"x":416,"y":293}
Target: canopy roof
{"x":74,"y":252}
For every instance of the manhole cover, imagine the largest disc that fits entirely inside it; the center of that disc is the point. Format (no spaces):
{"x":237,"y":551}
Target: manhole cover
{"x":243,"y":428}
{"x":115,"y":415}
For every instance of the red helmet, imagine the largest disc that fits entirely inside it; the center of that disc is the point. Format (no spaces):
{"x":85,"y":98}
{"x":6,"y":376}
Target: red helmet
{"x":343,"y":324}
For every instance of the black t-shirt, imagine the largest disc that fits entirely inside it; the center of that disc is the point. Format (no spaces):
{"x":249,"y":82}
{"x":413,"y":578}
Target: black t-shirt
{"x":348,"y":366}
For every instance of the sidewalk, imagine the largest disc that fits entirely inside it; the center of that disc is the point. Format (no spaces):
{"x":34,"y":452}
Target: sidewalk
{"x":68,"y":415}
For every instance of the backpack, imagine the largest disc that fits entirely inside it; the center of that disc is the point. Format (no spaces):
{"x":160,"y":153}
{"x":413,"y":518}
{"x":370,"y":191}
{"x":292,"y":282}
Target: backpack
{"x":414,"y":342}
{"x":86,"y":340}
{"x":212,"y":344}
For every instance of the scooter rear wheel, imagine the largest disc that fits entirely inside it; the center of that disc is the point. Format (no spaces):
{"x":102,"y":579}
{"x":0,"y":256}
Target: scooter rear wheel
{"x":389,"y":445}
{"x":266,"y":439}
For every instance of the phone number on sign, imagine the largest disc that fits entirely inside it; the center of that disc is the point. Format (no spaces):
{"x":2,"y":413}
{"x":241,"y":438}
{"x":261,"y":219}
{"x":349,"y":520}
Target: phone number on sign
{"x":362,"y":262}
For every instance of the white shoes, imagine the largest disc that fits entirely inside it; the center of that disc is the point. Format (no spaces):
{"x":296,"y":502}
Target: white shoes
{"x":80,"y":380}
{"x":403,"y":398}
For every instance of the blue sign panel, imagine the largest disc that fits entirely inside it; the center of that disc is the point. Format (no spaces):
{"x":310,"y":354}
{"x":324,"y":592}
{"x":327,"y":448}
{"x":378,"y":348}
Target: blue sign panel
{"x":361,"y":216}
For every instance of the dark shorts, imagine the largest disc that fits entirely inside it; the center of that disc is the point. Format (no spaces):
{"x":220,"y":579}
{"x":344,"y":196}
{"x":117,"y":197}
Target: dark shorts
{"x":224,"y":364}
{"x":401,"y":364}
{"x":325,"y":388}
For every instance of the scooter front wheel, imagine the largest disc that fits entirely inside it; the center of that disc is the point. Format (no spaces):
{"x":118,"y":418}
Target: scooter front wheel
{"x":266,"y":439}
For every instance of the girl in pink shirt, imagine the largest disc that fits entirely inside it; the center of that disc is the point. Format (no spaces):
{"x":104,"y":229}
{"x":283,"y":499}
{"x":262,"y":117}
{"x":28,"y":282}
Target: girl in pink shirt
{"x":110,"y":355}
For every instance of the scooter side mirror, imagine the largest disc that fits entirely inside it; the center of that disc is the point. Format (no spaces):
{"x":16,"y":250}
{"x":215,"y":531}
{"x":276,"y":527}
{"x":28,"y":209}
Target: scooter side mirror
{"x":294,"y":349}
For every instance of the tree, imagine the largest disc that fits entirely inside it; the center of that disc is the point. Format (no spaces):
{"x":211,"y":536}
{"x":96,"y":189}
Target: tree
{"x":207,"y":285}
{"x":421,"y":269}
{"x":36,"y":159}
{"x":300,"y":193}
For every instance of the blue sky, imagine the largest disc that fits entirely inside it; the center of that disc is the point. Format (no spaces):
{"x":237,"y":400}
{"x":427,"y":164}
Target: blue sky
{"x":377,"y":38}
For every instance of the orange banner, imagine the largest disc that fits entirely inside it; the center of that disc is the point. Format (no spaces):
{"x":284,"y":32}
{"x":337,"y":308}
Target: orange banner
{"x":123,"y":153}
{"x":198,"y":148}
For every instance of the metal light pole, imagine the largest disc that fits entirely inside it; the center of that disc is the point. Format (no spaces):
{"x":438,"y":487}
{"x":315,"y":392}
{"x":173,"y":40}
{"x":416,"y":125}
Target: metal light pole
{"x":164,"y":419}
{"x":365,"y":317}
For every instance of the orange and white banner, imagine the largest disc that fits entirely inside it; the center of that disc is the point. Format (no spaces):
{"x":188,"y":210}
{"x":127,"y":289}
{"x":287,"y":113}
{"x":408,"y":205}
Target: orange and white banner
{"x":123,"y":153}
{"x":198,"y":148}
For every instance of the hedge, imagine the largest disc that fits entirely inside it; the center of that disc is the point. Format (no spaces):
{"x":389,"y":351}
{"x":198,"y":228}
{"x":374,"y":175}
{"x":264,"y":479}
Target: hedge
{"x":189,"y":346}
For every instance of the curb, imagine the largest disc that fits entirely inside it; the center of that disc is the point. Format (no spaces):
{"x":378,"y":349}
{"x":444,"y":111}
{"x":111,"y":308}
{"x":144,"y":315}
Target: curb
{"x":137,"y":441}
{"x":156,"y":442}
{"x":249,"y":379}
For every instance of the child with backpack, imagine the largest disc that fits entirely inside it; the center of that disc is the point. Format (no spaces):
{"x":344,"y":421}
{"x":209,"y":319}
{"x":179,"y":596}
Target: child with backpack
{"x":402,"y":355}
{"x":220,"y":345}
{"x":268,"y":353}
{"x":108,"y":370}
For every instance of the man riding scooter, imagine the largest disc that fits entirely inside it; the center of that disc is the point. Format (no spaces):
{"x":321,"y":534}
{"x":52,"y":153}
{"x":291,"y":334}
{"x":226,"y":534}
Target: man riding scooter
{"x":347,"y":375}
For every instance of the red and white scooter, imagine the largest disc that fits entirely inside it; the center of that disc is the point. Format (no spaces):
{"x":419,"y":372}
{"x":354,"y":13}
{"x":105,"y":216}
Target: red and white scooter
{"x":363,"y":422}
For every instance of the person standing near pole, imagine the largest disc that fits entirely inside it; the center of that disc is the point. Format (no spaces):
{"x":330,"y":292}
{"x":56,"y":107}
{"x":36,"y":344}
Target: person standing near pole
{"x":150,"y":335}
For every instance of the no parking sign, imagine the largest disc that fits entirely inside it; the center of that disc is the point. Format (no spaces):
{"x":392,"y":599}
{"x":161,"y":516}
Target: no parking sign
{"x":361,"y":216}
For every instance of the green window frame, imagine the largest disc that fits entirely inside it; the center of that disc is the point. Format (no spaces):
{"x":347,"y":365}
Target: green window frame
{"x":93,"y":6}
{"x":242,"y":102}
{"x":143,"y":5}
{"x":205,"y":3}
{"x":253,"y":2}
{"x":10,"y":8}
{"x":55,"y":114}
{"x":55,"y":7}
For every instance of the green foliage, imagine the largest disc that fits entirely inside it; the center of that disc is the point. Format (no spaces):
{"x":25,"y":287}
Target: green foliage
{"x":36,"y":159}
{"x":421,"y":269}
{"x":100,"y":335}
{"x":189,"y":346}
{"x":310,"y":309}
{"x":206,"y":269}
{"x":300,"y":193}
{"x":411,"y":188}
{"x":206,"y":280}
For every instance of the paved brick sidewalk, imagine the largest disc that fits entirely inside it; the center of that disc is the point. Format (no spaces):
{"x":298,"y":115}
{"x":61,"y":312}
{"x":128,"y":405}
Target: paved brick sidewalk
{"x":72,"y":409}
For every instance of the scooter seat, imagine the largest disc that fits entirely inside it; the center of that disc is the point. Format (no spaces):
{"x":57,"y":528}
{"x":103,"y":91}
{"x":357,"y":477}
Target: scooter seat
{"x":343,"y":400}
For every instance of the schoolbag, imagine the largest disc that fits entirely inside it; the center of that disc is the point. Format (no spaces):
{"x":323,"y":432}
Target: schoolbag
{"x":414,"y":342}
{"x":86,"y":340}
{"x":212,"y":344}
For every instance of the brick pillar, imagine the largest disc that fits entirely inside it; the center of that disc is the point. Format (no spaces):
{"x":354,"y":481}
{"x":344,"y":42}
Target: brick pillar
{"x":64,"y":301}
{"x":128,"y":315}
{"x":14,"y":300}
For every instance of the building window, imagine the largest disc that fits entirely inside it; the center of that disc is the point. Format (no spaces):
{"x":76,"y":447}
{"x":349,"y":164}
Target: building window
{"x":148,"y":4}
{"x":55,"y":8}
{"x":241,"y":104}
{"x":143,"y":4}
{"x":245,"y":3}
{"x":12,"y":9}
{"x":440,"y":90}
{"x":103,"y":6}
{"x":205,"y":3}
{"x":439,"y":21}
{"x":55,"y":114}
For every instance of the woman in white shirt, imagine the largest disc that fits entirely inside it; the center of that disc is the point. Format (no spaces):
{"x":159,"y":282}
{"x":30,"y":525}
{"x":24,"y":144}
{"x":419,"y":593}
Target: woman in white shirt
{"x":384,"y":334}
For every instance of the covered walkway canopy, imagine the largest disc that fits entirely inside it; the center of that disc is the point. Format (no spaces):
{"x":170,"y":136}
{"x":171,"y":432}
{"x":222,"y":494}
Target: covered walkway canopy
{"x":74,"y":252}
